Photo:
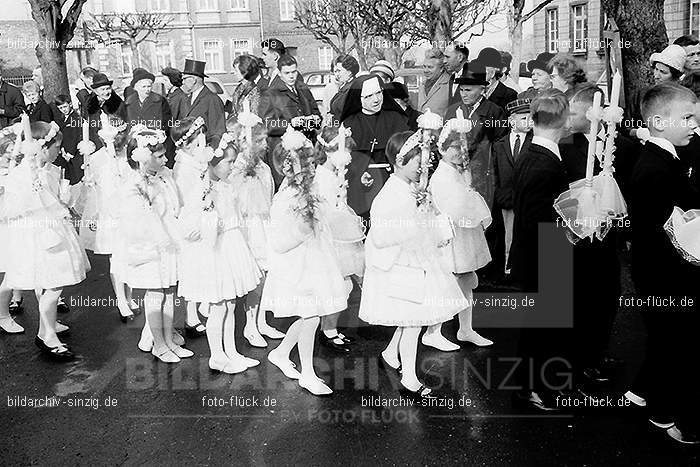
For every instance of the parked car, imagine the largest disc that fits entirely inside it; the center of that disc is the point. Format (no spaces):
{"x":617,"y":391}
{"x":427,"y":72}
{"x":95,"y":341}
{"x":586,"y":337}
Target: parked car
{"x":317,"y":82}
{"x":413,"y":78}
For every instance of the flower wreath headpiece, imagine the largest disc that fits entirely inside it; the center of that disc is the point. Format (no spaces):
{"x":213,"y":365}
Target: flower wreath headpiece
{"x":196,"y":125}
{"x":413,"y":141}
{"x":334,"y":141}
{"x":463,"y":125}
{"x":142,"y":153}
{"x":226,"y":139}
{"x":31,"y":148}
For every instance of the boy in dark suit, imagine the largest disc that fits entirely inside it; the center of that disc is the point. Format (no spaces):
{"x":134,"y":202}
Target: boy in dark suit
{"x":506,"y":152}
{"x":540,"y":177}
{"x":69,"y":121}
{"x":662,"y":278}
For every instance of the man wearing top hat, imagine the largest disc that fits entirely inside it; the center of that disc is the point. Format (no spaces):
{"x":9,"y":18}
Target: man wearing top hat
{"x":541,"y":80}
{"x":201,"y":101}
{"x":490,"y":124}
{"x":496,"y":92}
{"x":103,"y":100}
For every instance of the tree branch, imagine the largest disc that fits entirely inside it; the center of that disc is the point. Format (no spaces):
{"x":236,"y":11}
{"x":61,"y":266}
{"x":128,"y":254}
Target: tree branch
{"x":535,"y":10}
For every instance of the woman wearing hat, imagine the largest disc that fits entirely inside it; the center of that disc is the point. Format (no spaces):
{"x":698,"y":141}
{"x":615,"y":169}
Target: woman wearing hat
{"x":668,"y":64}
{"x":176,"y":96}
{"x":540,"y":71}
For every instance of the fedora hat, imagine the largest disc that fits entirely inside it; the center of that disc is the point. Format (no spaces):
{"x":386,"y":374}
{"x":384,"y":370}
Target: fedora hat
{"x":99,"y":80}
{"x":490,"y":57}
{"x":473,"y":73}
{"x":194,"y":67}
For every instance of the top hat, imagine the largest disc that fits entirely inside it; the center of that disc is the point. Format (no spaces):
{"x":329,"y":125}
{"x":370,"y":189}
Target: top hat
{"x":541,"y":62}
{"x":194,"y":67}
{"x":99,"y":80}
{"x":473,"y":73}
{"x":490,"y":57}
{"x":518,"y":106}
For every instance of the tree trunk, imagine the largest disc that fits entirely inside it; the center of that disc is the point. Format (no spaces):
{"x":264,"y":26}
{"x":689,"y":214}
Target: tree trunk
{"x":441,"y":22}
{"x":641,"y":24}
{"x":54,"y":71}
{"x":135,"y":54}
{"x":515,"y":30}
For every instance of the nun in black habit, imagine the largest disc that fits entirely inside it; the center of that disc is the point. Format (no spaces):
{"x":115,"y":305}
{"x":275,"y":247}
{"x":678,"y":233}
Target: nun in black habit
{"x":373,"y":116}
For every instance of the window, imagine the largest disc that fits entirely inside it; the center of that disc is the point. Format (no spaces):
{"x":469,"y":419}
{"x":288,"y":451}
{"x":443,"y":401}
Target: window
{"x":325,"y":58}
{"x":159,"y":5}
{"x":126,"y":62}
{"x":579,"y":28}
{"x":694,"y":17}
{"x":286,"y":10}
{"x":208,"y":5}
{"x":551,"y":27}
{"x":213,"y":55}
{"x":241,"y":5}
{"x":240,"y":47}
{"x":164,"y":56}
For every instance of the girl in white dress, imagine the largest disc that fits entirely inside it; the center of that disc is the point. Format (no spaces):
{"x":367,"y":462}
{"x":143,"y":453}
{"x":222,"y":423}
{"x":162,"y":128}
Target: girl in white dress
{"x":43,"y":251}
{"x":8,"y":136}
{"x":252,"y":178}
{"x":304,"y":279}
{"x":405,"y":284}
{"x":468,"y":251}
{"x":148,"y":223}
{"x":235,"y":271}
{"x":191,"y":173}
{"x":346,"y":227}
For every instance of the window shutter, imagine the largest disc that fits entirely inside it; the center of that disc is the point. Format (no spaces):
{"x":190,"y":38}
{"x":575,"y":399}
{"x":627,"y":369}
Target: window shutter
{"x":585,"y":27}
{"x":546,"y":30}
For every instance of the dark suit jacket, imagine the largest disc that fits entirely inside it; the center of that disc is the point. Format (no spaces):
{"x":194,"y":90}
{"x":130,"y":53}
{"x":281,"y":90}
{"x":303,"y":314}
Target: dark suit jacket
{"x":338,"y":101}
{"x":504,"y":165}
{"x":40,"y":112}
{"x":453,"y":96}
{"x":690,"y":156}
{"x":502,"y":95}
{"x":278,"y":105}
{"x":540,"y":177}
{"x":658,"y":183}
{"x":71,"y":129}
{"x":490,"y":124}
{"x":11,"y":101}
{"x":210,"y":108}
{"x":153,"y":113}
{"x":176,"y":100}
{"x":83,"y":96}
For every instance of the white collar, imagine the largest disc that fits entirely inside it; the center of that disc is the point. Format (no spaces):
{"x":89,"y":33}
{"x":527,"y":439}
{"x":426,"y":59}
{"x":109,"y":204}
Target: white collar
{"x":663,"y":143}
{"x":195,"y":94}
{"x":547,"y":144}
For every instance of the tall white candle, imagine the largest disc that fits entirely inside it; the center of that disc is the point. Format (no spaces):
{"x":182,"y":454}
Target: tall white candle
{"x":616,"y":85}
{"x":593,"y":134}
{"x":86,"y":131}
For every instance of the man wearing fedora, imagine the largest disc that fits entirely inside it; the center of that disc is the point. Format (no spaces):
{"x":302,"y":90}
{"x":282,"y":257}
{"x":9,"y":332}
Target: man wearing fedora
{"x":496,"y":92}
{"x":202,"y":102}
{"x":490,"y":123}
{"x":103,"y":100}
{"x":540,"y":70}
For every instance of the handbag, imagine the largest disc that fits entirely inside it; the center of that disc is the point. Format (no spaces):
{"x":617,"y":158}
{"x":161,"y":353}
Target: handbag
{"x":406,"y":283}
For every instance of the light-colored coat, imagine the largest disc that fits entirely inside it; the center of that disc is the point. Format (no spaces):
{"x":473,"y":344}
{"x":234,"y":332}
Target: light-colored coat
{"x":437,"y":99}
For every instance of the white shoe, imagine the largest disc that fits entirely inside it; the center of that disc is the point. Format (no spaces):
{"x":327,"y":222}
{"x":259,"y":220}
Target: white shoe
{"x":315,"y":386}
{"x":635,"y":399}
{"x":285,"y":365}
{"x":204,"y":309}
{"x":60,"y":327}
{"x":267,"y":330}
{"x":253,"y":336}
{"x":182,"y":352}
{"x":251,"y":362}
{"x":475,"y":338}
{"x":133,"y":305}
{"x":146,"y":342}
{"x":235,"y":366}
{"x":166,"y":356}
{"x":10,"y":326}
{"x":438,"y":341}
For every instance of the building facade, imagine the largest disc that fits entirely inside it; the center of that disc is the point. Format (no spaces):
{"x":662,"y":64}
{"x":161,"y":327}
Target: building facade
{"x":212,"y":30}
{"x":576,"y":26}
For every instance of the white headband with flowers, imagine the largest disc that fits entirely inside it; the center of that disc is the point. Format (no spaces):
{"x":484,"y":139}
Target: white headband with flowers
{"x":459,"y":125}
{"x":196,"y":125}
{"x":226,"y":139}
{"x":142,"y":153}
{"x":413,"y":141}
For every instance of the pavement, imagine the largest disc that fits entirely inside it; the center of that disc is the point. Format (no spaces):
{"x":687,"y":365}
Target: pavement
{"x":115,"y":405}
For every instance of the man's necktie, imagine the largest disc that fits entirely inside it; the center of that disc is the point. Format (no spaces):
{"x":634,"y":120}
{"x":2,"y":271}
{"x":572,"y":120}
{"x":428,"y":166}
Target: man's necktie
{"x":516,"y":147}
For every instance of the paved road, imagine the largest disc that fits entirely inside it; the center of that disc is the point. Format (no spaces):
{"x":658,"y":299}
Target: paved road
{"x":116,"y":405}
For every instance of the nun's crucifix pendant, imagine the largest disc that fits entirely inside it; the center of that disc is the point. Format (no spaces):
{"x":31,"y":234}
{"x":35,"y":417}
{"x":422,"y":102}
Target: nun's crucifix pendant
{"x":373,"y":142}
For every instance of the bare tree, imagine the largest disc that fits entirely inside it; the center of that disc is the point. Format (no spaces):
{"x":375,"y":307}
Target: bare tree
{"x":55,"y":32}
{"x":516,"y":19}
{"x":442,"y":21}
{"x":128,"y":28}
{"x":392,"y":26}
{"x":336,"y":23}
